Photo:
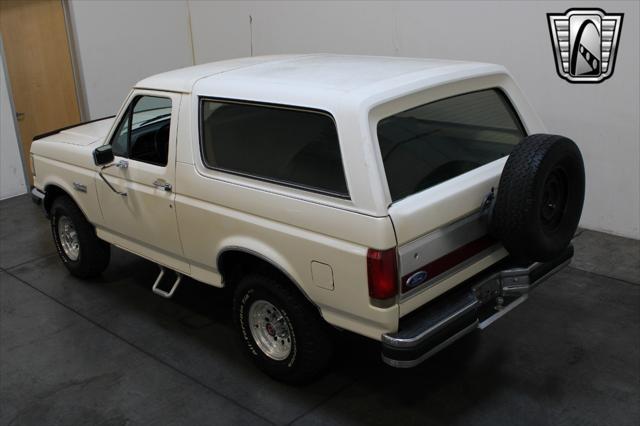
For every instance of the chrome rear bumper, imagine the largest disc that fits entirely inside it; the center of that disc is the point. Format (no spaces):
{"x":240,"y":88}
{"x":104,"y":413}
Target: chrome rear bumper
{"x":476,"y":303}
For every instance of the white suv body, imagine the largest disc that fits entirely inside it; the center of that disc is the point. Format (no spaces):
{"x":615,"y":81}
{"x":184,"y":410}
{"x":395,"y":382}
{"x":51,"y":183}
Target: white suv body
{"x":191,"y":217}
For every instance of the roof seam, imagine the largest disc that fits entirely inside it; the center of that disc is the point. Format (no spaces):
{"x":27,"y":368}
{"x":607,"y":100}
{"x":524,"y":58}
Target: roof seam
{"x":297,"y":57}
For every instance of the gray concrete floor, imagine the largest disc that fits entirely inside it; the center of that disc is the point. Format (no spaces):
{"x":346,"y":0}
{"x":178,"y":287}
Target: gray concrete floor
{"x":109,"y":352}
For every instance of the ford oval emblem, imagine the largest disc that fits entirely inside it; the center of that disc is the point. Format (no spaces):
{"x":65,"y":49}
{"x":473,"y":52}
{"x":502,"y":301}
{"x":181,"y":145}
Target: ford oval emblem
{"x":416,"y":279}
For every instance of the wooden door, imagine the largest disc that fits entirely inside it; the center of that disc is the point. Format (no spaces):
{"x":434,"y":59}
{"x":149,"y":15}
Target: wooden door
{"x":39,"y":66}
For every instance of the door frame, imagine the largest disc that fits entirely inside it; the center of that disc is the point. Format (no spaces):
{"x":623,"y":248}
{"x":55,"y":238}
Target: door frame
{"x":12,"y":108}
{"x":81,"y":98}
{"x":72,"y":42}
{"x":106,"y":230}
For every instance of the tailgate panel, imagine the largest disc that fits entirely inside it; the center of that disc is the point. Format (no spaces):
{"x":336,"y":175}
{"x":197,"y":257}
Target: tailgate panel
{"x":435,"y":256}
{"x":425,"y":294}
{"x":444,"y":204}
{"x":443,"y":235}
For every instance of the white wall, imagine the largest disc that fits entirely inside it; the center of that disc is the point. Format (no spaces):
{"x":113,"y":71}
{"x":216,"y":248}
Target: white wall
{"x":123,"y":42}
{"x":12,"y":177}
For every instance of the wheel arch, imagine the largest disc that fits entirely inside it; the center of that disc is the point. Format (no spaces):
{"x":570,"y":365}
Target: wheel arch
{"x":233,"y":260}
{"x":54,"y":190}
{"x":51,"y":192}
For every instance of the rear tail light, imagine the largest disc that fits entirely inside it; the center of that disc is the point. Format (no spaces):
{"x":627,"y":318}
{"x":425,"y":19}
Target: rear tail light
{"x":382,"y":271}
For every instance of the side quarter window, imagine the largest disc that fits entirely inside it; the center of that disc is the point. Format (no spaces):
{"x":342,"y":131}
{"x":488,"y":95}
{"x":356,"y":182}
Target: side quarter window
{"x":281,"y":144}
{"x":143,"y":132}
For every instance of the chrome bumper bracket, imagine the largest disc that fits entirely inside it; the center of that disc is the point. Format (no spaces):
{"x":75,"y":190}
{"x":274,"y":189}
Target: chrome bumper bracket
{"x":37,"y":196}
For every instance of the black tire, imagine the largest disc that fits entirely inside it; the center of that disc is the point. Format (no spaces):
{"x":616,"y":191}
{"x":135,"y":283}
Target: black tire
{"x":540,"y":198}
{"x":311,"y":346}
{"x":94,"y":254}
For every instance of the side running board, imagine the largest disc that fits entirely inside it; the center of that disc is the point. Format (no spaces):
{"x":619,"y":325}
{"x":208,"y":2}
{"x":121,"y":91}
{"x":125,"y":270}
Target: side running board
{"x":164,"y":293}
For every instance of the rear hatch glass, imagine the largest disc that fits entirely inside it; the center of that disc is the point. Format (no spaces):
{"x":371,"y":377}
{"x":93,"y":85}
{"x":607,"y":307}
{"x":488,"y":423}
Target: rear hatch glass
{"x":429,"y":144}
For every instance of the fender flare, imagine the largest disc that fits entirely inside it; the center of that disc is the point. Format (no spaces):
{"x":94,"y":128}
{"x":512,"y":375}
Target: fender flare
{"x":60,"y":187}
{"x":268,"y":260}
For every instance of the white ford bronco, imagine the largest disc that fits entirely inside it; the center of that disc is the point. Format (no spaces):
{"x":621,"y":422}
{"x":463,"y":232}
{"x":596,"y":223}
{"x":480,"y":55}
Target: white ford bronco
{"x":410,"y":201}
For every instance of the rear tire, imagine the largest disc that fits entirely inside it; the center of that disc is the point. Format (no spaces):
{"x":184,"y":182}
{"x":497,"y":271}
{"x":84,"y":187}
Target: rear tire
{"x":540,"y":198}
{"x":281,"y":331}
{"x":81,"y":251}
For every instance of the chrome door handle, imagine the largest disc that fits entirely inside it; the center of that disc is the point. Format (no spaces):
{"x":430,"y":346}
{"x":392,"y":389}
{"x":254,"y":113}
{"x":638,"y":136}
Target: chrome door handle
{"x":161,"y":183}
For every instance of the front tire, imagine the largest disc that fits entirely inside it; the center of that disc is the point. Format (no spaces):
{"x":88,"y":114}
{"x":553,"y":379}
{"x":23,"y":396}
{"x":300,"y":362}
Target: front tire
{"x":282,"y":332}
{"x":81,"y":251}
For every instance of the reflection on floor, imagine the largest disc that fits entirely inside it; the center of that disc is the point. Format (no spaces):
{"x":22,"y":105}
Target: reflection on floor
{"x":110,"y":352}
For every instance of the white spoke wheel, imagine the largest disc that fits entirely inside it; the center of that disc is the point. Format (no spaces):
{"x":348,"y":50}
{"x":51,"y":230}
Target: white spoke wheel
{"x":270,"y":330}
{"x":68,"y":238}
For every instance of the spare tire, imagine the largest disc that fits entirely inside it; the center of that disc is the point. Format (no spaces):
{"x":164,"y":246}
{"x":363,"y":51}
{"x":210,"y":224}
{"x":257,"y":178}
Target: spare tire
{"x":540,"y":197}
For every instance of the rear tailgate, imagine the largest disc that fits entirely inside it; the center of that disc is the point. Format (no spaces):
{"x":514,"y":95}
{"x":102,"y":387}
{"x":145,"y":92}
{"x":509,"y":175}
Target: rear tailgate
{"x":442,"y":160}
{"x":443,"y":236}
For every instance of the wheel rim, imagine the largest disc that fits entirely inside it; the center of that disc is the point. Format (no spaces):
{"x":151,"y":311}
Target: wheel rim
{"x":270,"y":330}
{"x":68,"y":238}
{"x":554,"y":199}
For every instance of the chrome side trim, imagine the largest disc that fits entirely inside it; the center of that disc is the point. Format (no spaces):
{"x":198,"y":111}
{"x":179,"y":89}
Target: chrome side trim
{"x":459,"y":267}
{"x":79,"y":187}
{"x":429,"y":247}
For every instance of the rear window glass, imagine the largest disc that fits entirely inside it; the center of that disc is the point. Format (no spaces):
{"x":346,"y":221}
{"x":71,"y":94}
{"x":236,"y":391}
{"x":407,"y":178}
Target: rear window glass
{"x":432,"y":143}
{"x":294,"y":147}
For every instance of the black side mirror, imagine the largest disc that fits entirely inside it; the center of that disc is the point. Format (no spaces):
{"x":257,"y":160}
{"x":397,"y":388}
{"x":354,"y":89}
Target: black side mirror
{"x":103,"y":155}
